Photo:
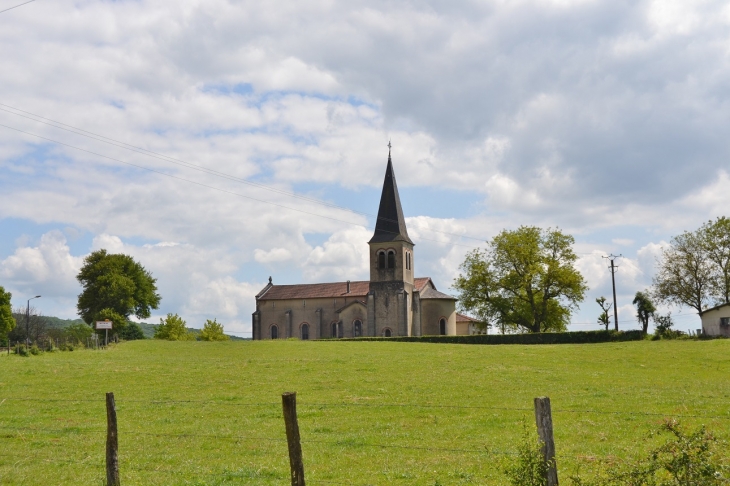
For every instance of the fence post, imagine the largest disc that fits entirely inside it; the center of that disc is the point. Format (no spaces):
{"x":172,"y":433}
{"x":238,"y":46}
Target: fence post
{"x":289,"y":404}
{"x":544,"y":421}
{"x":112,"y":443}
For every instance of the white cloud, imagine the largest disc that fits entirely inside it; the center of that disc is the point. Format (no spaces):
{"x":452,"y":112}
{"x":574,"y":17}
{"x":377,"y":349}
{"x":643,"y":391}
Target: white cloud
{"x":591,"y":116}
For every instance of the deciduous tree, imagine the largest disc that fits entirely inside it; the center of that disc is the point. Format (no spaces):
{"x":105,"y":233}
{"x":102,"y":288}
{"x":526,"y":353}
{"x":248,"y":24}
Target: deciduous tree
{"x":173,"y":328}
{"x":604,"y":319}
{"x":115,"y":284}
{"x":694,"y":270}
{"x":715,"y":237}
{"x":7,"y":321}
{"x":525,"y":280}
{"x":212,"y":331}
{"x":644,"y":309}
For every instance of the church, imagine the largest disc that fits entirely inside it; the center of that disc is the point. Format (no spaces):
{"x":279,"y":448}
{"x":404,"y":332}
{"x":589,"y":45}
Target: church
{"x":392,"y":303}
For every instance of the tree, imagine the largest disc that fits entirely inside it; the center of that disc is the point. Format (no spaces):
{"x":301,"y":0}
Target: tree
{"x":603,"y":319}
{"x":716,"y":242}
{"x":644,"y":309}
{"x":131,"y":332}
{"x":78,"y":333}
{"x":213,"y":331}
{"x":663,"y":323}
{"x":173,"y":328}
{"x":525,"y":280}
{"x":115,"y":283}
{"x":36,"y":329}
{"x":7,"y":321}
{"x":694,"y":271}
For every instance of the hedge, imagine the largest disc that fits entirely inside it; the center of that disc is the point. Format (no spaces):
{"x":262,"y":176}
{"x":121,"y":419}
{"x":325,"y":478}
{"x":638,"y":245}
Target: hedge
{"x":578,"y":337}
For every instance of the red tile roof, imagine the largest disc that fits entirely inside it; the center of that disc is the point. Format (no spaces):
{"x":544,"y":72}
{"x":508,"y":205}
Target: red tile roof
{"x":464,"y":318}
{"x":325,"y":290}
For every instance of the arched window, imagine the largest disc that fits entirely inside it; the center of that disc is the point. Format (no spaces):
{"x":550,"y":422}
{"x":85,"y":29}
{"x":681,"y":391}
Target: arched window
{"x":274,"y":332}
{"x":305,"y":331}
{"x":391,"y":259}
{"x":387,"y":333}
{"x":357,"y":328}
{"x":334,"y":329}
{"x":381,"y":259}
{"x":442,"y":327}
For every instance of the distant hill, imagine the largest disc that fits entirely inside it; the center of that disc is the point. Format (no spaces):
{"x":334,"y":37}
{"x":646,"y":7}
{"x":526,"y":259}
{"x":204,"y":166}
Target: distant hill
{"x":147,"y":329}
{"x":59,"y":323}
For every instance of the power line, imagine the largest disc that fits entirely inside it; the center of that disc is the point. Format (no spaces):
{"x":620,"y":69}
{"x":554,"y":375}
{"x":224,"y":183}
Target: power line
{"x":216,"y":173}
{"x":20,"y":5}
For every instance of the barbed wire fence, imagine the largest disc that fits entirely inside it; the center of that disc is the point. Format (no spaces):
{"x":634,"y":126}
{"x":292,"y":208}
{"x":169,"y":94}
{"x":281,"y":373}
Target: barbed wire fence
{"x":111,"y":464}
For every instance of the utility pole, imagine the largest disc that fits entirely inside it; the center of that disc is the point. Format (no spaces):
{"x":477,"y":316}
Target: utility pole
{"x":614,"y":268}
{"x":27,"y":321}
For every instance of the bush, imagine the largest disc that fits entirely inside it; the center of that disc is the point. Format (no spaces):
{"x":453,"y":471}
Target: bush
{"x":529,"y":468}
{"x":78,"y":332}
{"x":35,"y":350}
{"x":578,"y":337}
{"x":692,"y":459}
{"x":131,"y":332}
{"x":21,"y":350}
{"x":172,"y":328}
{"x":212,"y":331}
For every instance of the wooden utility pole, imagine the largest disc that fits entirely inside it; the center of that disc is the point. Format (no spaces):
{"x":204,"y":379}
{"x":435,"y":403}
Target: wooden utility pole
{"x":112,"y":442}
{"x":614,"y":268}
{"x":289,"y":404}
{"x":544,"y":421}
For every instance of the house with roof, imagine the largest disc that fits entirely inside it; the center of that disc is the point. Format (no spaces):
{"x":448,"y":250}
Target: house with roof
{"x":392,"y":303}
{"x":716,"y":321}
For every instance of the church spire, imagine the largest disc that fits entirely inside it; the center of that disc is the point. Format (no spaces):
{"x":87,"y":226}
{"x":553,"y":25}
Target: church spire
{"x":391,"y":225}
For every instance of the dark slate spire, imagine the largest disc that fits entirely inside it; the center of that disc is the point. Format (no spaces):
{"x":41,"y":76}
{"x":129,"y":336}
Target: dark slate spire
{"x":391,"y":225}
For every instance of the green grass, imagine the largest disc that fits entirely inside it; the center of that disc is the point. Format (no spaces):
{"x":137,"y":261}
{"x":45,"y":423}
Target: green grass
{"x":197,"y":413}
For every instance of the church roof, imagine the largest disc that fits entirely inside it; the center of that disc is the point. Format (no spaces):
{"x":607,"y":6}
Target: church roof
{"x":465,"y":318}
{"x":391,"y":225}
{"x":431,"y":293}
{"x":326,"y":290}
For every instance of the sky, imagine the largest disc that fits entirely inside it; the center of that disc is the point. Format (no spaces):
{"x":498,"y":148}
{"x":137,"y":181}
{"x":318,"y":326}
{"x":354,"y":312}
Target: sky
{"x":223,"y":142}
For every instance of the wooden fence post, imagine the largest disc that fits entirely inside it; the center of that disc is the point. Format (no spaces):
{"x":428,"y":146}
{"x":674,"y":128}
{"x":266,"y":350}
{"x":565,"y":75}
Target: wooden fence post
{"x":112,"y":443}
{"x":289,"y":404}
{"x":544,"y":421}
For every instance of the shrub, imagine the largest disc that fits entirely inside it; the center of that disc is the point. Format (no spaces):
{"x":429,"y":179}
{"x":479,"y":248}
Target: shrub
{"x":22,"y":350}
{"x":692,"y":459}
{"x":35,"y":350}
{"x":529,"y":468}
{"x":172,"y":328}
{"x":212,"y":331}
{"x":131,"y":332}
{"x":78,"y":332}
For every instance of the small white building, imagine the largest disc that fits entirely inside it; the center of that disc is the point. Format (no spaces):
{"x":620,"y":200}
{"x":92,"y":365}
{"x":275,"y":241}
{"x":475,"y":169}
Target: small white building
{"x":716,"y":321}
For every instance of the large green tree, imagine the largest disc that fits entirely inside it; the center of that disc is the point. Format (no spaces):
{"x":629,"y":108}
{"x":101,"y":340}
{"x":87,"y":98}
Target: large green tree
{"x":7,"y":321}
{"x":694,"y":270}
{"x":115,"y":286}
{"x":525,"y":280}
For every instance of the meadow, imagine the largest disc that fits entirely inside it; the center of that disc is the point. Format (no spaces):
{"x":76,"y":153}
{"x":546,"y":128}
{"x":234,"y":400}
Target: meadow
{"x":375,"y":413}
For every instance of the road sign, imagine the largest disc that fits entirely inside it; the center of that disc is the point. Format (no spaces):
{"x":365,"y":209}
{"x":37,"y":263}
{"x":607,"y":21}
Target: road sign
{"x":103,"y":324}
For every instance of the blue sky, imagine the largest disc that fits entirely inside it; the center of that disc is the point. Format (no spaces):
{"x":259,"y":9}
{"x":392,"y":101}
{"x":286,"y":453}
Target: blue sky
{"x":606,"y":119}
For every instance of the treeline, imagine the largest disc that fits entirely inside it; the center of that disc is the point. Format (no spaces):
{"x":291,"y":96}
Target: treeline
{"x":526,"y":280}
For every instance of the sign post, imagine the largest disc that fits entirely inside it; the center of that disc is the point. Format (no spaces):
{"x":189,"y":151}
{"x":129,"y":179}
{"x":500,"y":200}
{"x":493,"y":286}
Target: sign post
{"x":106,"y":325}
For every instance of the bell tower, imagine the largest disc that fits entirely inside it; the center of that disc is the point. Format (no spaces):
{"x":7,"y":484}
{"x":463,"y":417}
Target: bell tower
{"x":391,"y":265}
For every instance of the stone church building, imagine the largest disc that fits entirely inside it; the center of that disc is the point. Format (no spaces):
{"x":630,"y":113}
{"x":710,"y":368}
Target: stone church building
{"x":392,"y":303}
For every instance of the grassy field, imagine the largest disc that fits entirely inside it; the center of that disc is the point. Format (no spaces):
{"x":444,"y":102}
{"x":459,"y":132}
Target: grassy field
{"x":200,"y":413}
